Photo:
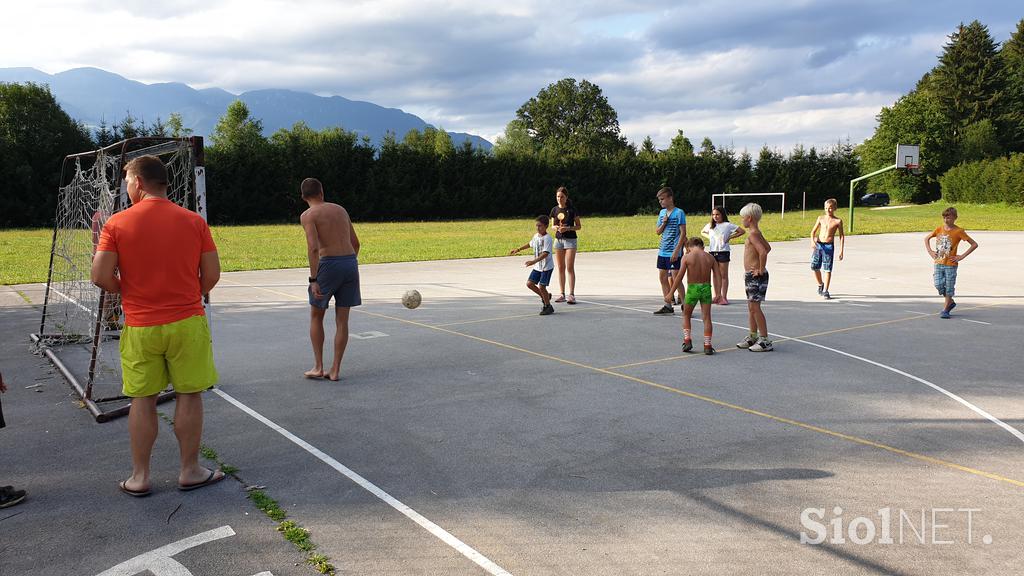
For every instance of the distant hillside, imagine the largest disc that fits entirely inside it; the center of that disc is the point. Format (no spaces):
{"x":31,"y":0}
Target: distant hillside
{"x":91,"y":95}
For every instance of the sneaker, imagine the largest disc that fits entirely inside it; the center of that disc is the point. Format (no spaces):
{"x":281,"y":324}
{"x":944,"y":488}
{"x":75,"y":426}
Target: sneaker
{"x":944,"y":314}
{"x":826,"y":295}
{"x":747,"y":342}
{"x":675,"y":300}
{"x":821,"y":289}
{"x":687,"y":345}
{"x":666,"y":309}
{"x":560,"y":298}
{"x":709,"y":350}
{"x":762,"y":346}
{"x":952,"y":304}
{"x":547,"y":310}
{"x":571,"y":299}
{"x":9,"y":497}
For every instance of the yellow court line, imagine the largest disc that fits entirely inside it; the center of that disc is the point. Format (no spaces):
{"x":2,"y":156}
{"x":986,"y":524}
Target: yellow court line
{"x":708,"y":399}
{"x":578,"y":311}
{"x":836,"y":331}
{"x":721,"y":403}
{"x":697,"y":353}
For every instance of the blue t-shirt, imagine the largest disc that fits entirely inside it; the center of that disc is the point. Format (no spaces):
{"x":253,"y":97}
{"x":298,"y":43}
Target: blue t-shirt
{"x":670,"y":236}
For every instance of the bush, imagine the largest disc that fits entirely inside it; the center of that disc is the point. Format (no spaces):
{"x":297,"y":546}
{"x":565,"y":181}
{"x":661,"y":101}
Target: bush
{"x":986,"y":181}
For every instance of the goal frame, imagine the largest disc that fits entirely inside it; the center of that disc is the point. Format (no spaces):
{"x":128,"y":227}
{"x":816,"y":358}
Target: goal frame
{"x":124,"y":151}
{"x":724,"y":195}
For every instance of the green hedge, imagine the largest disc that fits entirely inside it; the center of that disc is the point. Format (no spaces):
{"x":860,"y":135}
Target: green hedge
{"x":986,"y":181}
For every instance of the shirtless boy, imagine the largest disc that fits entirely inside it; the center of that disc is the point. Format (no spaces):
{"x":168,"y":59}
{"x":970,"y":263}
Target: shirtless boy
{"x":698,"y":266}
{"x":755,"y":260}
{"x":333,"y":248}
{"x":823,"y":245}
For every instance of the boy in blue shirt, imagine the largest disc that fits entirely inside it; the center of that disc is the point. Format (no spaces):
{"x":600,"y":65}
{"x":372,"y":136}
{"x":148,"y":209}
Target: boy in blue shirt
{"x":672,"y":227}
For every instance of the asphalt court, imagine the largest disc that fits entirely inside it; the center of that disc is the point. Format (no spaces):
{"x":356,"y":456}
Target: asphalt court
{"x":586,"y":442}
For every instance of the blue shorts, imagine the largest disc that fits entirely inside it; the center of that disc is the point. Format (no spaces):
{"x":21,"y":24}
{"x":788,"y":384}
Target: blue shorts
{"x":821,"y":258}
{"x":566,"y":243}
{"x":945,"y":279}
{"x":666,"y":263}
{"x":542,"y":278}
{"x":338,"y":277}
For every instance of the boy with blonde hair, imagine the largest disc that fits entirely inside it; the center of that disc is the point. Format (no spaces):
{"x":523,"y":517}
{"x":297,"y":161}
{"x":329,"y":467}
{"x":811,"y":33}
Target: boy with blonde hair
{"x":823,"y":245}
{"x":755,"y":260}
{"x":947,"y":239}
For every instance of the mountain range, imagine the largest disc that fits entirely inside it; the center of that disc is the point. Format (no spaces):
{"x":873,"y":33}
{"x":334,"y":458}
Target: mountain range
{"x":92,"y":96}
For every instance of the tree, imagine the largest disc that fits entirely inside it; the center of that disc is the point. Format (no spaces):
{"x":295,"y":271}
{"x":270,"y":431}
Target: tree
{"x":236,"y":129}
{"x":176,"y":126}
{"x":573,"y":119}
{"x":680,"y":147}
{"x":969,"y":80}
{"x":515,"y":143}
{"x":1011,"y":121}
{"x":647,"y":150}
{"x":35,"y":136}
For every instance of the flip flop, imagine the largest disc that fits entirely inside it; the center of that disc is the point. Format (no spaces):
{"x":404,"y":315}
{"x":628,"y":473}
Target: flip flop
{"x":136,"y":493}
{"x":211,"y":479}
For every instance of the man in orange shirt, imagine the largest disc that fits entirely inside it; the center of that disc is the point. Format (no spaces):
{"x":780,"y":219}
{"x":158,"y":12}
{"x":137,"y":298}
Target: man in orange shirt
{"x":161,"y":258}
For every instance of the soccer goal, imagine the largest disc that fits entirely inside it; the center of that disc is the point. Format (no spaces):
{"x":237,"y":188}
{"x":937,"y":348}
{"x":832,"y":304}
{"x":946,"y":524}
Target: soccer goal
{"x":723,"y":196}
{"x":81,"y":324}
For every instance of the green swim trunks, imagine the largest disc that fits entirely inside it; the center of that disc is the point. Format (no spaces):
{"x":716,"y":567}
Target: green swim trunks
{"x":179,"y":353}
{"x":698,"y":294}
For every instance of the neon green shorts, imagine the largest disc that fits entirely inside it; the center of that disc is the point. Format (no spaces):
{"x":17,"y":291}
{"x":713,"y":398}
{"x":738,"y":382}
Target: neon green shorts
{"x":698,"y":294}
{"x":180,"y":353}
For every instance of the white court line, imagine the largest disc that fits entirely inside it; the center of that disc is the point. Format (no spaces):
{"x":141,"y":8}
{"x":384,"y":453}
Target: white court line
{"x":1017,"y":433}
{"x":976,"y":321}
{"x":73,"y":301}
{"x":919,"y":312}
{"x":861,"y":305}
{"x":388,"y":499}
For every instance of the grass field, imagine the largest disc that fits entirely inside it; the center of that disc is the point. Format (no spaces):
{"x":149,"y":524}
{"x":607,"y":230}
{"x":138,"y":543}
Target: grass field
{"x":25,"y":253}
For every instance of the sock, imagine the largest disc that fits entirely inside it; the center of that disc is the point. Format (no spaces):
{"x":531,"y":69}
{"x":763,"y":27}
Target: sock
{"x":753,"y":336}
{"x":707,"y":340}
{"x":686,"y":333}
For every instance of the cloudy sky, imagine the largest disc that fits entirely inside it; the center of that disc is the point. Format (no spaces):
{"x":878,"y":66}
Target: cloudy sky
{"x":744,"y":72}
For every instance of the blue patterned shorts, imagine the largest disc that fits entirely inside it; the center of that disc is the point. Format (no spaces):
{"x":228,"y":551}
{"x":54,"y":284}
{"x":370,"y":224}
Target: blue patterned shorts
{"x":945,"y":279}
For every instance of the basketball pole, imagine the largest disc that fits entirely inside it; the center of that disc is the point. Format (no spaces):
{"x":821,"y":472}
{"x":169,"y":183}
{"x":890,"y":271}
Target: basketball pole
{"x":853,"y":184}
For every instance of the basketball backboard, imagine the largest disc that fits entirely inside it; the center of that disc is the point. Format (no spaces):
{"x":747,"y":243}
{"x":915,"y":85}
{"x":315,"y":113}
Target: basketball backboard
{"x":908,"y":156}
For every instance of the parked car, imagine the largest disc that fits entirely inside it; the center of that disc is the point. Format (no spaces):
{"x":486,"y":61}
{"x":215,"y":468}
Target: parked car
{"x":875,"y":199}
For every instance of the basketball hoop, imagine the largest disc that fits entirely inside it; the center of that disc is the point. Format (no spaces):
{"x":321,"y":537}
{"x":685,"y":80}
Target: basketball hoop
{"x":914,"y":169}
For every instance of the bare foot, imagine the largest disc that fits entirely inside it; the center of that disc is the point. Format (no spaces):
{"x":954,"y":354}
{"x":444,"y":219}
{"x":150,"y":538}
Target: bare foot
{"x":314,"y":373}
{"x":334,"y":376}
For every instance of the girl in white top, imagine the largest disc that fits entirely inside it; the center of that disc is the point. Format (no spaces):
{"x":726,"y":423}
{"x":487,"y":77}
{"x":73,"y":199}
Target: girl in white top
{"x":719,"y":232}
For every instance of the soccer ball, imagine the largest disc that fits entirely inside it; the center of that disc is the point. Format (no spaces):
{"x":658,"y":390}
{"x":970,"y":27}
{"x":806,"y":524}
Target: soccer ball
{"x":411,"y":299}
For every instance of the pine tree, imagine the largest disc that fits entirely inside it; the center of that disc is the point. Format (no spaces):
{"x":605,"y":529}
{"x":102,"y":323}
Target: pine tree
{"x":1011,"y":121}
{"x":969,"y":81}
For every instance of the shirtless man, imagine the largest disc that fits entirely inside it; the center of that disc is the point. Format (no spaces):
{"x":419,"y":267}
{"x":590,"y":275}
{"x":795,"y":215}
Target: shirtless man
{"x":332,"y":246}
{"x":698,"y":267}
{"x":823,"y":243}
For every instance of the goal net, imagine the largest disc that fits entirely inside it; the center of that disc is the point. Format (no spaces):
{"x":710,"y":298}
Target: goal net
{"x":81,"y":324}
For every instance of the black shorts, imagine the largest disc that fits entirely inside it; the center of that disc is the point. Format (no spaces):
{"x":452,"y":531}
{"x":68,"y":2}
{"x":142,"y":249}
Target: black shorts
{"x":757,"y":286}
{"x":722,"y":256}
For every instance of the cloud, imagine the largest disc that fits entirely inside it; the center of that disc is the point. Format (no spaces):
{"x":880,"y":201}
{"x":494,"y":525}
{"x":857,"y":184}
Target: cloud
{"x":744,"y":71}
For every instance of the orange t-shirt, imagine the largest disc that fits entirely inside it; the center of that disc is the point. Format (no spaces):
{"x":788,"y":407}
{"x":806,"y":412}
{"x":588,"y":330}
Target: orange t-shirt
{"x":946,"y":242}
{"x":158,"y":245}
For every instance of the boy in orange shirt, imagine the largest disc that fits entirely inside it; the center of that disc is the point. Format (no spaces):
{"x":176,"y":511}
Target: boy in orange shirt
{"x":947,"y":238}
